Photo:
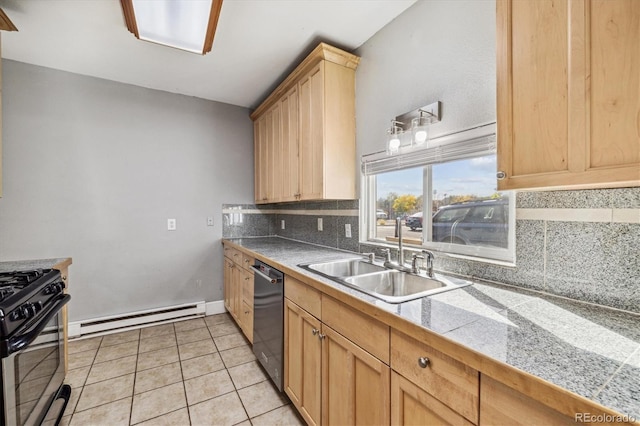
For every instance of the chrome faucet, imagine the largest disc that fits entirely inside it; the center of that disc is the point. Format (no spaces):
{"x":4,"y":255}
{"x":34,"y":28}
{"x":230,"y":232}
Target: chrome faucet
{"x":371,"y":257}
{"x":428,"y":256}
{"x":400,"y":249}
{"x":400,"y":266}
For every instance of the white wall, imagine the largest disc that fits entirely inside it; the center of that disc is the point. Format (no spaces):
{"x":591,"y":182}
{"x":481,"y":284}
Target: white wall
{"x":93,"y":169}
{"x":436,"y":50}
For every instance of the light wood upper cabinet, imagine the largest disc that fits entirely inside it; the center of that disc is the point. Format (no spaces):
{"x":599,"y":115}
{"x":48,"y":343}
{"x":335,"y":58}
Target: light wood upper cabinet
{"x":568,"y":93}
{"x":289,"y":138}
{"x":310,"y":120}
{"x":1,"y":120}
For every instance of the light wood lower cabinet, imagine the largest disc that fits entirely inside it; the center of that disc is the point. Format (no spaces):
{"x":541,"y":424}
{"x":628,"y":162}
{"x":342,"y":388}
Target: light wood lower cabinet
{"x":228,"y":279}
{"x":355,"y":384}
{"x":238,"y":289}
{"x":449,"y":381}
{"x":411,"y":405}
{"x":330,"y":379}
{"x":303,"y":354}
{"x":502,"y":405}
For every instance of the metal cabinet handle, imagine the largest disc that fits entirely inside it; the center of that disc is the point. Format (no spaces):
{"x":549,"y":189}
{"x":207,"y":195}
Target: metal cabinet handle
{"x":246,"y":279}
{"x":315,"y":331}
{"x":64,"y":278}
{"x":501,"y":175}
{"x":321,"y":336}
{"x":423,"y":362}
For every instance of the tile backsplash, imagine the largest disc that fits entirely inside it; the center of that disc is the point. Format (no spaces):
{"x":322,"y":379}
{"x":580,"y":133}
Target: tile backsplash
{"x":583,"y":245}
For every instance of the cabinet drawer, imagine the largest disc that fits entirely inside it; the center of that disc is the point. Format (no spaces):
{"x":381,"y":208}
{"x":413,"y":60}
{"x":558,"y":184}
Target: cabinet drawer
{"x":228,"y":251}
{"x":236,"y":256}
{"x":366,"y":332}
{"x":450,"y":381}
{"x":247,"y":287}
{"x":302,"y":295}
{"x":247,"y":261}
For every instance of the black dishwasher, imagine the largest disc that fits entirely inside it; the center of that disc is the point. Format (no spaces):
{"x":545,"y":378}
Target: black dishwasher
{"x":268,"y":320}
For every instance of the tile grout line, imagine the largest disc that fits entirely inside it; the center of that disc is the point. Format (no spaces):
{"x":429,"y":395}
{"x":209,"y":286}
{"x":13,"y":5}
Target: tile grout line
{"x":138,"y":354}
{"x":184,"y":385}
{"x":544,"y":257}
{"x":625,"y":362}
{"x":135,"y":377}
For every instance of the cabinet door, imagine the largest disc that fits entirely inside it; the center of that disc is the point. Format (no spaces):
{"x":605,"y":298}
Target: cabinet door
{"x":273,"y":174}
{"x":568,"y":93}
{"x":311,"y":92}
{"x":302,"y":361}
{"x":246,"y":315}
{"x":613,"y":101}
{"x":289,"y":154}
{"x":228,"y":277}
{"x":411,"y":405}
{"x":245,"y":303}
{"x":355,"y":384}
{"x":260,"y":159}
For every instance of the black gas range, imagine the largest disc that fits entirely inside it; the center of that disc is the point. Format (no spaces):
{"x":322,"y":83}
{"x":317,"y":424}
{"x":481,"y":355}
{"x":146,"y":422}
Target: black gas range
{"x":32,"y":346}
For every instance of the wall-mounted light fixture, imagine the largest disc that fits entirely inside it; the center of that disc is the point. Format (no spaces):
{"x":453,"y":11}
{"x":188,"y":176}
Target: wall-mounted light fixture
{"x":394,"y":134}
{"x":184,"y":24}
{"x":417,"y":122}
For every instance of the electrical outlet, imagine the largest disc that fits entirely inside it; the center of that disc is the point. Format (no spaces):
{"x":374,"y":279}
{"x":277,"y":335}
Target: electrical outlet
{"x":282,"y":224}
{"x":171,"y":224}
{"x":347,"y":230}
{"x":210,"y":221}
{"x":319,"y":224}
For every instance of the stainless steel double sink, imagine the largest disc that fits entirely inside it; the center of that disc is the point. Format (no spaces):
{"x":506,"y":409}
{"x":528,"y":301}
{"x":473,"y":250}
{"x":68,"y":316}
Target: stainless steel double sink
{"x":390,"y":285}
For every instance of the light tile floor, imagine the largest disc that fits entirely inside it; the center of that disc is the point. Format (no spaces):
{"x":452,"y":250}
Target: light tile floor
{"x":198,"y":372}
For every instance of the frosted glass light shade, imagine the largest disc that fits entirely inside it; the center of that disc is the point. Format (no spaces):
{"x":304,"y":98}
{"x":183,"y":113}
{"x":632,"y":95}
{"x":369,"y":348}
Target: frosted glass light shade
{"x":177,"y":23}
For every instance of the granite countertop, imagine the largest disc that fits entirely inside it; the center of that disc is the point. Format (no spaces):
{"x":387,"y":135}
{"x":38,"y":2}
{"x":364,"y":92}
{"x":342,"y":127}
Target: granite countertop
{"x":23,"y":265}
{"x":586,"y":349}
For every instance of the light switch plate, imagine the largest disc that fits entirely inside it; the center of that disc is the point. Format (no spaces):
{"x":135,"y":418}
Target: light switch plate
{"x":319,"y":224}
{"x":171,"y":224}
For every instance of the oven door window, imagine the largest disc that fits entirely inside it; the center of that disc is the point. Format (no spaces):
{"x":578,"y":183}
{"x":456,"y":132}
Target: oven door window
{"x":34,"y":372}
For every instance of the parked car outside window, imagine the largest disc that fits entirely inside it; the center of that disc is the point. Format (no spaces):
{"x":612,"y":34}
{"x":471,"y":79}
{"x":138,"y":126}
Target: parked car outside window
{"x":483,"y":223}
{"x":381,"y":214}
{"x":414,"y":221}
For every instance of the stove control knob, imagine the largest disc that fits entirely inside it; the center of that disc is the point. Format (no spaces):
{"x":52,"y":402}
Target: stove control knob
{"x":28,"y":310}
{"x":54,"y":288}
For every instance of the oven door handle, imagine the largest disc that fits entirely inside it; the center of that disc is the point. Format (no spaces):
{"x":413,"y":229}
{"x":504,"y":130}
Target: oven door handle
{"x":18,"y":342}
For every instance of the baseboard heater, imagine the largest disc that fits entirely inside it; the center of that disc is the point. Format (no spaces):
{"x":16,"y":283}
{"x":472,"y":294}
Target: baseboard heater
{"x":133,"y":320}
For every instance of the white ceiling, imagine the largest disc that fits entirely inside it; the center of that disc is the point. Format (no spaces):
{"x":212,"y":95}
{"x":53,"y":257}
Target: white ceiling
{"x":256,"y":44}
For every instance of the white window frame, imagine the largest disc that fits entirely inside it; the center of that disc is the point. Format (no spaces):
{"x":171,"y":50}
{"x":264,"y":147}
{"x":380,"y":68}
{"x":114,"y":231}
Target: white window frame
{"x":459,"y":145}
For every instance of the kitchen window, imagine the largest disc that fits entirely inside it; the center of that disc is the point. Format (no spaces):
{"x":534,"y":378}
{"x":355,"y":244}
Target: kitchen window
{"x":445,"y":195}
